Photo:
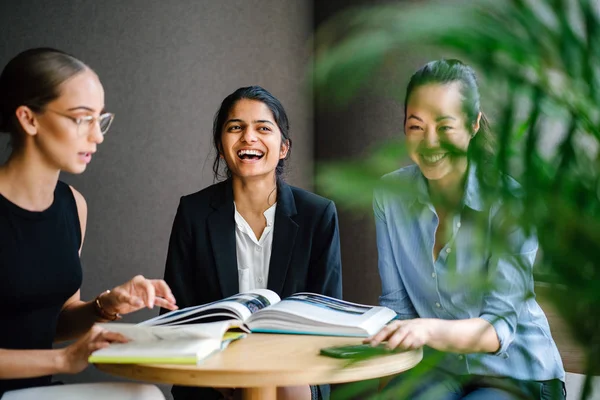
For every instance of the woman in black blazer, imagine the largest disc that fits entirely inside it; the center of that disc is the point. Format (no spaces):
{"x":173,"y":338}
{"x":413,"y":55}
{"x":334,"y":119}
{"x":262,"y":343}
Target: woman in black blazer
{"x":252,"y":230}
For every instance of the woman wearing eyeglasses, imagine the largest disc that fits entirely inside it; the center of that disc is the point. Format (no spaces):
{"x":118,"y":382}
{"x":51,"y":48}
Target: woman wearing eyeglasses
{"x":52,"y":106}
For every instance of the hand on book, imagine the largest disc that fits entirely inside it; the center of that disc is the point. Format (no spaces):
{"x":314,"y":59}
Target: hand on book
{"x":137,"y":293}
{"x":406,"y":334}
{"x":74,"y":358}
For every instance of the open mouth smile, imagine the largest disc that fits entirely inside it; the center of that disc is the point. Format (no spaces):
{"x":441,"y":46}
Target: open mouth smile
{"x":432,"y":159}
{"x":250,"y":154}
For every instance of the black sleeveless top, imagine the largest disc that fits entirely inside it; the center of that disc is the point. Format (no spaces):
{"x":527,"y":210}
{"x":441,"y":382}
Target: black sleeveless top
{"x":39,"y":271}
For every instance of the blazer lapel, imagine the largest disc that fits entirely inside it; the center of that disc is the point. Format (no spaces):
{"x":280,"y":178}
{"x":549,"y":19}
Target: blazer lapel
{"x":284,"y":236}
{"x":221,"y":228}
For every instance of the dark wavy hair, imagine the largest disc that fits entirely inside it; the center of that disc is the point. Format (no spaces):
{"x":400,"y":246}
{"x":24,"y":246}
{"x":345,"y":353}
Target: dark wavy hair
{"x":251,"y":93}
{"x":33,"y":79}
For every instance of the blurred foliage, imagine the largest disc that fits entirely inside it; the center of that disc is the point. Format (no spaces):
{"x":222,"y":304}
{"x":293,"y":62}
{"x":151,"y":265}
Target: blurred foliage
{"x":541,"y":61}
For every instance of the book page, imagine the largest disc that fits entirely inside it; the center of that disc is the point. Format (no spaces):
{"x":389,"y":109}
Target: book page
{"x":330,"y":303}
{"x":240,"y":306}
{"x":317,"y":314}
{"x":145,"y":333}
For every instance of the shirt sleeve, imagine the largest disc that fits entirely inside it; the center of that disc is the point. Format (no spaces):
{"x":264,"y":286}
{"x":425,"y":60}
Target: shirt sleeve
{"x":394,"y":293}
{"x":510,"y":273}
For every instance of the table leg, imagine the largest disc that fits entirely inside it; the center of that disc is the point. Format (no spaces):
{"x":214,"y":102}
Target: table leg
{"x":261,"y":393}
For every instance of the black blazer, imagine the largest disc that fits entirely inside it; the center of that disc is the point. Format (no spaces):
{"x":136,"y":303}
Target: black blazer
{"x":202,"y":263}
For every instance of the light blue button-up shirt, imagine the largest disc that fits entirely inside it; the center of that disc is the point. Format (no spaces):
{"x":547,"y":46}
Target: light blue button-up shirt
{"x":470,"y":278}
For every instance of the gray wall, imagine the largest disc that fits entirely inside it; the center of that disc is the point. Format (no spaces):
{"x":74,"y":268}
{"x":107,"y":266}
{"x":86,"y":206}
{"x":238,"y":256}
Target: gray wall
{"x":165,"y":65}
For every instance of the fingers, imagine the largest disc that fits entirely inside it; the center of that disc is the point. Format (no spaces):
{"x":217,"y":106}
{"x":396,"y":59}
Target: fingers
{"x":100,"y":338}
{"x":98,"y":334}
{"x":164,"y":297}
{"x":89,"y":343}
{"x":163,"y":290}
{"x":160,"y":302}
{"x":406,"y":335}
{"x":399,"y":335}
{"x":146,"y":289}
{"x":76,"y":355}
{"x":139,"y":292}
{"x":399,"y":338}
{"x":115,"y":337}
{"x":94,"y":332}
{"x":384,"y":333}
{"x":93,"y":346}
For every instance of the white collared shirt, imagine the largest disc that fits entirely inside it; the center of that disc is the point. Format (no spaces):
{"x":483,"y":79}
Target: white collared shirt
{"x":253,"y":255}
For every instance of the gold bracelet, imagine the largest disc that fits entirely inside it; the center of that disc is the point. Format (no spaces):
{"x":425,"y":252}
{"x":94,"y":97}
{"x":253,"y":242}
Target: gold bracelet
{"x":102,"y":312}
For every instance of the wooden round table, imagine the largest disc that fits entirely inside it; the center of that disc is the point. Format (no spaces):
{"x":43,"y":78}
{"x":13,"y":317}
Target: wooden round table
{"x":261,"y":362}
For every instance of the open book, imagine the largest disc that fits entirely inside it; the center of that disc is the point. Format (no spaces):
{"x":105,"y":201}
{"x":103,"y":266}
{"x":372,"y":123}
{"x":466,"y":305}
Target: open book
{"x":181,"y":344}
{"x":192,"y":334}
{"x":262,"y":310}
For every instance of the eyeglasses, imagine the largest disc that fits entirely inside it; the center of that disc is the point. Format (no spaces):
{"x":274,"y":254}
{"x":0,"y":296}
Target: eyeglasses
{"x":86,"y":123}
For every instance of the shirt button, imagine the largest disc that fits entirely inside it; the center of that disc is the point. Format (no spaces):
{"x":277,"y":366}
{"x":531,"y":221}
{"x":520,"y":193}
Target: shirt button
{"x":433,"y":274}
{"x":257,"y":248}
{"x":448,"y":250}
{"x":260,"y":280}
{"x":461,"y":357}
{"x":438,"y":305}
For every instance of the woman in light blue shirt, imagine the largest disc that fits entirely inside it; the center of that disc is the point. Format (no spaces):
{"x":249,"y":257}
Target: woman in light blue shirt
{"x":460,"y":293}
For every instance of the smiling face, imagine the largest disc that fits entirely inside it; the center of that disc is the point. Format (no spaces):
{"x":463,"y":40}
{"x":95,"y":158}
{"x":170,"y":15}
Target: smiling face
{"x":437,"y":132}
{"x":54,"y":133}
{"x":251,"y":142}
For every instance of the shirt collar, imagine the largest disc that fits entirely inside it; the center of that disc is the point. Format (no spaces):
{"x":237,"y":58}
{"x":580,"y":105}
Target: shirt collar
{"x":242,"y":224}
{"x":472,"y":196}
{"x":270,"y":214}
